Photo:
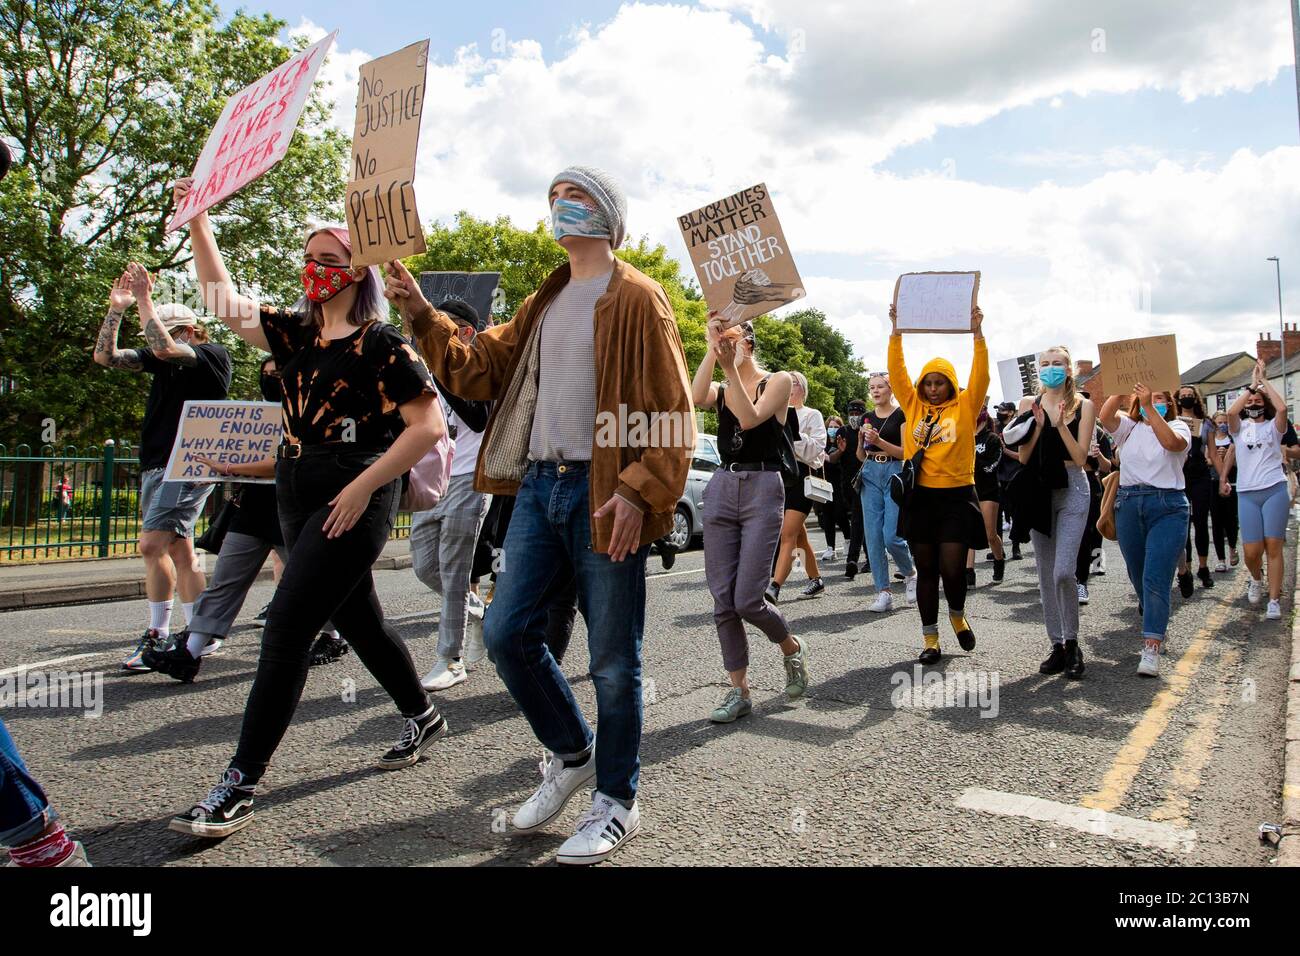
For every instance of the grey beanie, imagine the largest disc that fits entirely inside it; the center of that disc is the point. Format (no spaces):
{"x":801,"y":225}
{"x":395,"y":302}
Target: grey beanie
{"x":604,"y":189}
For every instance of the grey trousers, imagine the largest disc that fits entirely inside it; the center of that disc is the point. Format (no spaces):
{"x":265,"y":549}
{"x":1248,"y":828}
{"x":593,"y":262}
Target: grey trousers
{"x":241,"y":558}
{"x":742,"y":527}
{"x":1057,"y":556}
{"x":442,"y":553}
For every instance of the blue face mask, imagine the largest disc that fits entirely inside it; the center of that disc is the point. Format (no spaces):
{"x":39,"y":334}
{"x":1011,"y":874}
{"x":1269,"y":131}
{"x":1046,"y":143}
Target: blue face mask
{"x":1053,"y":376}
{"x":1161,"y":410}
{"x":571,"y":218}
{"x":830,"y":432}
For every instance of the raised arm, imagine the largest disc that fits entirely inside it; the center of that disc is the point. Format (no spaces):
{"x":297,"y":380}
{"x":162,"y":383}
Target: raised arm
{"x":977,"y":386}
{"x":899,"y":380}
{"x":704,"y":391}
{"x":107,"y":353}
{"x":1169,"y":439}
{"x":1108,"y":418}
{"x":161,"y":343}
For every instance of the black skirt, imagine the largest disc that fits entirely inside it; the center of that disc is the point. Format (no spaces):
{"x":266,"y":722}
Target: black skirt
{"x":986,"y":487}
{"x":943,"y":515}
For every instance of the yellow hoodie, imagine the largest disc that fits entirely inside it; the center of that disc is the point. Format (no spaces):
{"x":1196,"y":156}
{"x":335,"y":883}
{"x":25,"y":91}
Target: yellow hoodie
{"x":950,"y":459}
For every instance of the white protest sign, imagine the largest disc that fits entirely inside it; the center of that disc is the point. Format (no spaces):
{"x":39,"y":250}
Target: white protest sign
{"x":230,"y":433}
{"x":935,"y":301}
{"x":253,"y":133}
{"x":1019,"y":377}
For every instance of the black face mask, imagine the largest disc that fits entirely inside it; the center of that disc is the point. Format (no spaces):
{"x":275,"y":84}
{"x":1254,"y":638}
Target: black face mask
{"x":1255,"y":412}
{"x":272,"y":389}
{"x":1187,"y":402}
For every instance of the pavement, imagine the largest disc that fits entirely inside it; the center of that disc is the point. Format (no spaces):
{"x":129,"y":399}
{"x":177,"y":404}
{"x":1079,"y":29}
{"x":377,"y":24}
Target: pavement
{"x":988,"y":764}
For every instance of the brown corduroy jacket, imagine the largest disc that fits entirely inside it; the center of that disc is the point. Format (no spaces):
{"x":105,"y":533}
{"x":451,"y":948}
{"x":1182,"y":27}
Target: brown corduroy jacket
{"x":644,"y":433}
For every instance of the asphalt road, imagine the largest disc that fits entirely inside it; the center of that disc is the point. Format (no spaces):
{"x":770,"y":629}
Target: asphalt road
{"x":1121,"y":770}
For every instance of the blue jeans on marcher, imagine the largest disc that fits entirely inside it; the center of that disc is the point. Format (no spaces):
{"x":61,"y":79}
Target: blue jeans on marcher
{"x":24,"y":811}
{"x":880,"y":522}
{"x":548,"y":546}
{"x":1151,"y":525}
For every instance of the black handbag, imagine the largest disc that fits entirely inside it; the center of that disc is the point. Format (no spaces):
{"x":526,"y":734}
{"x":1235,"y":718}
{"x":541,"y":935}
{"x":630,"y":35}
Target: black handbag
{"x":902,"y":484}
{"x":215,"y":535}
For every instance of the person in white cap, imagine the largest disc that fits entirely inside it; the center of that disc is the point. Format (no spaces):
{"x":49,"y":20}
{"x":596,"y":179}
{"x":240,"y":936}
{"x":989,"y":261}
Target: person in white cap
{"x":185,"y":366}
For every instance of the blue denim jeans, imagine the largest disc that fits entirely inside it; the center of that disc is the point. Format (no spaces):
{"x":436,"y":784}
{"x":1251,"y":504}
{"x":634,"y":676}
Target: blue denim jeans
{"x":24,"y":811}
{"x":1151,"y":524}
{"x":880,"y":522}
{"x":548,"y":546}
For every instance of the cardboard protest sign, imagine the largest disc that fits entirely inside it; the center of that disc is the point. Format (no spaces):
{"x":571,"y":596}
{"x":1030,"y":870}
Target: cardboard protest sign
{"x":478,"y":289}
{"x":382,"y":218}
{"x":741,"y":256}
{"x":230,"y":433}
{"x":936,"y":301}
{"x":1153,"y":361}
{"x":253,"y":133}
{"x":1019,"y":377}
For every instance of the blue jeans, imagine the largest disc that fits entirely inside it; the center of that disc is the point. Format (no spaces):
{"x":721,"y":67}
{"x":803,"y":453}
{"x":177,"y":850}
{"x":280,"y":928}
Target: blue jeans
{"x":880,"y":522}
{"x":548,"y":546}
{"x":1151,"y":524}
{"x":24,"y":811}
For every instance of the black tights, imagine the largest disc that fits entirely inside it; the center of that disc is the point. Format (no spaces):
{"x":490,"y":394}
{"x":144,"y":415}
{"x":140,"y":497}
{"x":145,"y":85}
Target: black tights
{"x":1200,"y":494}
{"x":935,"y":560}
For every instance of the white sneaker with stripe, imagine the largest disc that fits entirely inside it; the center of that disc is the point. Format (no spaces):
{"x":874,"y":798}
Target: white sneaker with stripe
{"x":600,"y":831}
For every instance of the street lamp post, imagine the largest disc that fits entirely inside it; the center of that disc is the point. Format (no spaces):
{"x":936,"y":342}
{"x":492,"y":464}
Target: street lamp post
{"x":1286,"y":396}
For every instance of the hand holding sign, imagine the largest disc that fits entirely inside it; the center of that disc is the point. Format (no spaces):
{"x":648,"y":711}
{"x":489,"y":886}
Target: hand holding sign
{"x":937,"y":302}
{"x":401,"y":289}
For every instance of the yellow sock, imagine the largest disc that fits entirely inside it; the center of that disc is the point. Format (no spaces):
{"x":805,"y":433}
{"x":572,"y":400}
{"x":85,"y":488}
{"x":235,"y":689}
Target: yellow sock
{"x":958,"y":622}
{"x":931,"y":642}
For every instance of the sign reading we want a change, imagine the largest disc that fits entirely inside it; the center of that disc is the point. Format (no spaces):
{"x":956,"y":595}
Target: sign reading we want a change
{"x":230,"y":433}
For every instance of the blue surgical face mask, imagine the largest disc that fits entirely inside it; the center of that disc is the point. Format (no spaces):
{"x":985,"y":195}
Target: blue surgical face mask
{"x":572,"y":218}
{"x":830,"y":432}
{"x":1223,"y":428}
{"x":1161,"y":409}
{"x":1053,"y":376}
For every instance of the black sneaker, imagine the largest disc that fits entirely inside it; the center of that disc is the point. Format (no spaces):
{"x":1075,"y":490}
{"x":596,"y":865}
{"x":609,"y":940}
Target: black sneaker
{"x":851,"y":569}
{"x":1056,"y":661}
{"x":174,"y":662}
{"x":1015,"y":551}
{"x":1186,"y":584}
{"x":327,"y":649}
{"x":970,"y":577}
{"x":815,"y":586}
{"x":999,"y":570}
{"x":1206,"y":580}
{"x":668,"y":557}
{"x":260,"y":620}
{"x":226,"y":809}
{"x":1073,"y":660}
{"x":418,"y":735}
{"x":151,"y":640}
{"x":773,"y":593}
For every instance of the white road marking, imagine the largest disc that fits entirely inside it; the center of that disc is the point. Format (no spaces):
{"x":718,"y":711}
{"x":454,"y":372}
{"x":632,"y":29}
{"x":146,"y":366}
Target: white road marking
{"x":50,"y":663}
{"x":1097,"y":822}
{"x":673,"y":574}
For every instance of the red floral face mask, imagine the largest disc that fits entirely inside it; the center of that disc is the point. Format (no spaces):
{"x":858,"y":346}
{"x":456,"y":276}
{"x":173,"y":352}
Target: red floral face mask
{"x":322,"y":282}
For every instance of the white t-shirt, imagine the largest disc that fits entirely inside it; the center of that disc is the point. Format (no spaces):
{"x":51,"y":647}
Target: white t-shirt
{"x":1144,"y":461}
{"x":467,"y":444}
{"x":1259,"y":456}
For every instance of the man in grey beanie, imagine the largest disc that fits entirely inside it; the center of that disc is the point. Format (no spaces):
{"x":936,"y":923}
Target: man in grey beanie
{"x":596,"y":344}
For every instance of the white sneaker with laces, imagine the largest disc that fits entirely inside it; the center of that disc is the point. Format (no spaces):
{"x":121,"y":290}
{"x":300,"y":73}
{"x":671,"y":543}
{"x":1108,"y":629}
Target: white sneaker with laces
{"x":911,"y":588}
{"x":1083,"y":594}
{"x":828,"y":555}
{"x":559,"y":784}
{"x":884,"y":602}
{"x":1149,"y":666}
{"x":1254,"y":590}
{"x":1274,"y":612}
{"x":212,"y":647}
{"x":445,"y":674}
{"x":1221,"y":568}
{"x":600,"y":831}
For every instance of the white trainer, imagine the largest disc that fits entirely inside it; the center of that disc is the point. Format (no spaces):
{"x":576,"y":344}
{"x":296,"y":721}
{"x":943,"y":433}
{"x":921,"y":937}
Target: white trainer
{"x":1274,"y":612}
{"x":445,"y":674}
{"x":1254,"y":590}
{"x":600,"y":831}
{"x":911,"y":588}
{"x":1149,"y":666}
{"x":1221,"y":568}
{"x":884,"y":602}
{"x":213,"y":645}
{"x":828,"y":555}
{"x":559,"y":784}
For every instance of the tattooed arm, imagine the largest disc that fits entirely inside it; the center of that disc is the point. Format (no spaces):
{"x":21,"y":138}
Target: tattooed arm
{"x":155,"y":333}
{"x":107,"y":353}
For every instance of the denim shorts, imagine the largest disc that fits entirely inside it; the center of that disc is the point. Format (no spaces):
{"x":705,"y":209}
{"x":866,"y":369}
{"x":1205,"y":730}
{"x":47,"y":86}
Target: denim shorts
{"x":171,"y":505}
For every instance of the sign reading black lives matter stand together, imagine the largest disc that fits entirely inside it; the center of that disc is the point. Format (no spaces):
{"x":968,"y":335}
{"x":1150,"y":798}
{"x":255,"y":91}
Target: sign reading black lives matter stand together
{"x":936,"y":301}
{"x":478,"y":289}
{"x":741,"y":256}
{"x":382,"y":219}
{"x":230,"y":433}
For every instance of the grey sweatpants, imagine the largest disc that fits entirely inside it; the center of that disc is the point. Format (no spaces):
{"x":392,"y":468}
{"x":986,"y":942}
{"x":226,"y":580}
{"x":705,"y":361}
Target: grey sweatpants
{"x":442,"y":554}
{"x":742,"y":526}
{"x":241,"y":558}
{"x":1058,"y":554}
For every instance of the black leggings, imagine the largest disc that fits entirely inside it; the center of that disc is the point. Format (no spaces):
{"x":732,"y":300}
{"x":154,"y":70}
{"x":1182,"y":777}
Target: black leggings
{"x":317,"y":571}
{"x":1225,"y":521}
{"x":856,"y":534}
{"x":933,"y":561}
{"x":834,"y":516}
{"x":1200,"y":495}
{"x":1091,"y":542}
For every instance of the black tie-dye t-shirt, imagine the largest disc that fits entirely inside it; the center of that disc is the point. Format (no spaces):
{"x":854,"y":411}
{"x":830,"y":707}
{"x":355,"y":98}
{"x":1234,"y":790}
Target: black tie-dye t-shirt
{"x":344,"y":390}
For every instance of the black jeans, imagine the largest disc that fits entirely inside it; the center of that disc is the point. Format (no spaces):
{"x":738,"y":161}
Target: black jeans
{"x":1225,"y":521}
{"x":324,"y":579}
{"x":1201,"y":493}
{"x":1091,"y":543}
{"x":857,"y":539}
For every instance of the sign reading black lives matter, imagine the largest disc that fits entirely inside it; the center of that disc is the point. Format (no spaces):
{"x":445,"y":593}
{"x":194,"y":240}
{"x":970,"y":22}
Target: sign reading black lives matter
{"x":478,"y":289}
{"x":741,"y":256}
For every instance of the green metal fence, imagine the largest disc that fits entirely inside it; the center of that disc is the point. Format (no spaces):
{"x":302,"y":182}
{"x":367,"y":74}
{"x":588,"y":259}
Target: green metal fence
{"x":70,"y":504}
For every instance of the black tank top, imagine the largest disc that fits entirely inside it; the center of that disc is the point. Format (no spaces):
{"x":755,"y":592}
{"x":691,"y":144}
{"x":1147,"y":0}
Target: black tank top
{"x":1196,"y":468}
{"x":758,"y":445}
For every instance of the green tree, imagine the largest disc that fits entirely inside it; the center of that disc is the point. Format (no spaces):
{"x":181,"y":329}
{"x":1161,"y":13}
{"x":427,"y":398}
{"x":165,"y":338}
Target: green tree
{"x":108,"y":101}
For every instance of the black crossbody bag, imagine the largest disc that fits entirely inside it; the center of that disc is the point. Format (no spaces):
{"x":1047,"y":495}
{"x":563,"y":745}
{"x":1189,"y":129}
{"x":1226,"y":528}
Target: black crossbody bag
{"x":903,"y":484}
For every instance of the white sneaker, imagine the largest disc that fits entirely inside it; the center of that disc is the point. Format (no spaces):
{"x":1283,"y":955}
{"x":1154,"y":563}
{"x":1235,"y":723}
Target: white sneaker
{"x":1098,"y":564}
{"x":1254,"y":590}
{"x":475,"y":650}
{"x":212,"y":647}
{"x":828,"y":555}
{"x":600,"y":831}
{"x":911,"y":589}
{"x":1083,"y":594}
{"x":1149,"y":666}
{"x":559,"y":783}
{"x":1221,"y":568}
{"x":884,"y":602}
{"x":445,"y":674}
{"x":1274,"y":612}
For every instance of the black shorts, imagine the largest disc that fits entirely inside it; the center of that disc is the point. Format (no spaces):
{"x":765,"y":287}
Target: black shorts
{"x":987,"y":488}
{"x":943,"y":516}
{"x":795,"y":499}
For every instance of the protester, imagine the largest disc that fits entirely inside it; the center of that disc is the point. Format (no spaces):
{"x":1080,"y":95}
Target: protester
{"x":1225,"y":500}
{"x":185,"y":367}
{"x":988,"y":456}
{"x":1151,"y":509}
{"x":1008,"y":467}
{"x":809,"y":452}
{"x":744,"y":509}
{"x":1201,"y":489}
{"x":880,"y":454}
{"x":1092,"y":553}
{"x":359,"y":411}
{"x":29,"y":825}
{"x":598,"y":340}
{"x":1056,"y":508}
{"x":1257,"y":421}
{"x":833,"y":515}
{"x":847,"y":440}
{"x":941,"y":521}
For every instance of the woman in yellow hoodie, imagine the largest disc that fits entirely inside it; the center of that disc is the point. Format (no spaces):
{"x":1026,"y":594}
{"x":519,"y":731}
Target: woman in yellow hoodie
{"x":942,"y":520}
